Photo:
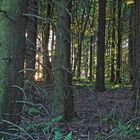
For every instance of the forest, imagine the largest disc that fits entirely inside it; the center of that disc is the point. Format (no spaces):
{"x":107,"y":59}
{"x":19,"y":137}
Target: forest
{"x":69,"y":69}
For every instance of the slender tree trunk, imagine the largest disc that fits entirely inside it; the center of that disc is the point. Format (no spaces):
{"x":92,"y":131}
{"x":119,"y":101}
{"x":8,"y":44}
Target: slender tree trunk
{"x":80,"y":41}
{"x":108,"y":50}
{"x":119,"y":49}
{"x":137,"y":58}
{"x":52,"y":50}
{"x":91,"y":57}
{"x":52,"y":45}
{"x":12,"y":50}
{"x":84,"y":24}
{"x":100,"y":69}
{"x":112,"y":78}
{"x":135,"y":44}
{"x":63,"y":100}
{"x":30,"y":58}
{"x":75,"y":60}
{"x":131,"y":42}
{"x":92,"y":42}
{"x":48,"y":65}
{"x":86,"y":50}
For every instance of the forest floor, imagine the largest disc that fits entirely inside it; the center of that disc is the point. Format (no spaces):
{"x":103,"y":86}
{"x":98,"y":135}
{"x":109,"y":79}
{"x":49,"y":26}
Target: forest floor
{"x":102,"y":116}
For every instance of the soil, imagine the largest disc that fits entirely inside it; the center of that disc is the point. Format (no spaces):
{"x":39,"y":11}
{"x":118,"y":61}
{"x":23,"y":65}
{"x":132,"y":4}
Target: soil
{"x":100,"y":116}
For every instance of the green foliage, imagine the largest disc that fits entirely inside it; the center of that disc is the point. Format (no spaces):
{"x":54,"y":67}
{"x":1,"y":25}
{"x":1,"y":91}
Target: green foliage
{"x":100,"y":136}
{"x":126,"y":130}
{"x":32,"y":126}
{"x":57,"y":119}
{"x":58,"y":134}
{"x":69,"y":136}
{"x":34,"y":111}
{"x":120,"y":129}
{"x":50,"y":129}
{"x":50,"y":125}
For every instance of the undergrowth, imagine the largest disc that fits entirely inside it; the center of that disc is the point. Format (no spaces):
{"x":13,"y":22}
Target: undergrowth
{"x":120,"y":130}
{"x":38,"y":124}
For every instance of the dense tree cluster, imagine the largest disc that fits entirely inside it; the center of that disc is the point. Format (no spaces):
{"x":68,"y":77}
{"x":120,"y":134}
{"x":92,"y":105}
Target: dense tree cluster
{"x":60,"y":42}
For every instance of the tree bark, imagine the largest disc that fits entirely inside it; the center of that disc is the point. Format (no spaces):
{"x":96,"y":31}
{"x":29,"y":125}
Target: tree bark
{"x":136,"y":82}
{"x":63,"y":99}
{"x":92,"y":45}
{"x":112,"y":78}
{"x":119,"y":48}
{"x":31,"y":47}
{"x":12,"y":50}
{"x":100,"y":69}
{"x":91,"y":57}
{"x":131,"y":42}
{"x":48,"y":65}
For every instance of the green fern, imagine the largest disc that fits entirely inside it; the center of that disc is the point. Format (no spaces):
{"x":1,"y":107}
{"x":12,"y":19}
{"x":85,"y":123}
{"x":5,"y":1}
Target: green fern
{"x":58,"y":134}
{"x":69,"y":136}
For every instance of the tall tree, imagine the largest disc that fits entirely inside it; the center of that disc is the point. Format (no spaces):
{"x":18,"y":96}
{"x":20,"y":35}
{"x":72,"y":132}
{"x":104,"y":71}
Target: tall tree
{"x":100,"y":69}
{"x":48,"y":65}
{"x":63,"y":100}
{"x":12,"y":48}
{"x":119,"y":48}
{"x":91,"y":57}
{"x":131,"y":41}
{"x":92,"y":42}
{"x":112,"y":78}
{"x":84,"y":23}
{"x":30,"y":58}
{"x":137,"y":58}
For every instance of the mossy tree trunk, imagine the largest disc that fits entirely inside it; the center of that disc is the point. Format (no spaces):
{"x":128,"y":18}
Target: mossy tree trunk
{"x":63,"y":99}
{"x":12,"y":48}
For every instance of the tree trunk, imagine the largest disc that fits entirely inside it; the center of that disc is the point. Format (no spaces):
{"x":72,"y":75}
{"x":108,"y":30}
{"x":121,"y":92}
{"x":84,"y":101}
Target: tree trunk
{"x":100,"y":69}
{"x":92,"y":42}
{"x":137,"y":58}
{"x":91,"y":57}
{"x":80,"y":41}
{"x":63,"y":100}
{"x":112,"y":78}
{"x":108,"y":49}
{"x":131,"y":42}
{"x":12,"y":50}
{"x":85,"y":55}
{"x":30,"y":58}
{"x":84,"y":23}
{"x":119,"y":49}
{"x":48,"y":65}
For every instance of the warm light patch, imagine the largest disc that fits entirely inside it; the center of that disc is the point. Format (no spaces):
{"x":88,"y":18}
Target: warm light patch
{"x":130,"y":2}
{"x":39,"y":67}
{"x":39,"y":61}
